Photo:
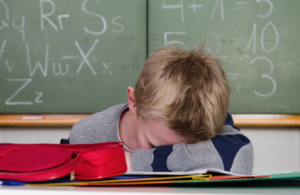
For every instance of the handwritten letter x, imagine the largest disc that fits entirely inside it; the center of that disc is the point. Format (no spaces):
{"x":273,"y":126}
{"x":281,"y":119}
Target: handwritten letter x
{"x":84,"y":57}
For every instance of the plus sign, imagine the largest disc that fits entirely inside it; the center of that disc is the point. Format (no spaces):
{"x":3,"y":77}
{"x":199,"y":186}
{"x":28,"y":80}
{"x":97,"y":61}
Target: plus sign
{"x":195,"y":6}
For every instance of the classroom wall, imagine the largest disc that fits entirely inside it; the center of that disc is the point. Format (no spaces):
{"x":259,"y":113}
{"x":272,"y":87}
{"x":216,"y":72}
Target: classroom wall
{"x":275,"y":149}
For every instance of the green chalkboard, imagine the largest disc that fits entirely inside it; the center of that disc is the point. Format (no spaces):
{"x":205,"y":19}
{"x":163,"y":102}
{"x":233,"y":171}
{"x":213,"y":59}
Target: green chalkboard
{"x":69,"y":56}
{"x":257,"y":41}
{"x":79,"y":56}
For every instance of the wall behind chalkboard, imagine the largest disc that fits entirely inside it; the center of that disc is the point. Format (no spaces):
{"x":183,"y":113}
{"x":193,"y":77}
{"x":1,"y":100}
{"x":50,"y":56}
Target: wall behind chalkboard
{"x":78,"y":56}
{"x":257,"y":41}
{"x":69,"y":56}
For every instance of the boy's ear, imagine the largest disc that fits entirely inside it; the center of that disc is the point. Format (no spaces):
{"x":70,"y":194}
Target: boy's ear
{"x":131,"y":100}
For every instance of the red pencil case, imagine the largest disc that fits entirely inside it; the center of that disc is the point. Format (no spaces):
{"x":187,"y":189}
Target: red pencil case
{"x":43,"y":162}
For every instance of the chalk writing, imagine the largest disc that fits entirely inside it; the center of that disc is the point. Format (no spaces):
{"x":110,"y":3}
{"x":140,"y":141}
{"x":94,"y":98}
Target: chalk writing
{"x":9,"y":67}
{"x":47,"y":47}
{"x":252,"y":39}
{"x":195,"y":6}
{"x":46,"y":16}
{"x":60,"y":18}
{"x":38,"y":64}
{"x":218,"y":3}
{"x":60,"y":72}
{"x":21,"y":27}
{"x":233,"y":76}
{"x":38,"y":97}
{"x":267,"y":76}
{"x":58,"y":45}
{"x":263,"y":35}
{"x":240,"y":5}
{"x":85,"y":57}
{"x":103,"y":21}
{"x":270,"y":10}
{"x":4,"y":23}
{"x":9,"y":100}
{"x":106,"y":66}
{"x":121,"y":27}
{"x":237,"y":41}
{"x":178,"y":6}
{"x":217,"y":40}
{"x":2,"y":47}
{"x":166,"y":42}
{"x":265,"y":38}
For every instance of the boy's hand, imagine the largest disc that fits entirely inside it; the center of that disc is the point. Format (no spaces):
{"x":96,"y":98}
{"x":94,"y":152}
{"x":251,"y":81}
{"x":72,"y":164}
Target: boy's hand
{"x":128,"y":160}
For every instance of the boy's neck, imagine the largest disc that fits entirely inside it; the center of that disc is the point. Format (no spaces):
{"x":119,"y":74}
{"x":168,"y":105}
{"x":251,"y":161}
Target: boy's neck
{"x":127,"y":130}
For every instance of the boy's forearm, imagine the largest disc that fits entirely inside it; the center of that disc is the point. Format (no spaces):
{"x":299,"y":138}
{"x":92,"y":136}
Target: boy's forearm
{"x":128,"y":160}
{"x":141,"y":160}
{"x":231,"y":151}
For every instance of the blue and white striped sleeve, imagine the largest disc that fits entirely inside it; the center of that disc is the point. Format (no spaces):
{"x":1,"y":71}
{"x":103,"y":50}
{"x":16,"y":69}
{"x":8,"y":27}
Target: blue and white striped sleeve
{"x":230,"y":150}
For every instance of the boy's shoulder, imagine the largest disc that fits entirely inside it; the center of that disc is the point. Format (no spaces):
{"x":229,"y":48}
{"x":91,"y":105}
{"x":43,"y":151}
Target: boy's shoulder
{"x":99,"y":127}
{"x":112,"y":113}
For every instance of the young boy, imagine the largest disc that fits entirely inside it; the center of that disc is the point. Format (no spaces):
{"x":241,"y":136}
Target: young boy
{"x":176,"y":117}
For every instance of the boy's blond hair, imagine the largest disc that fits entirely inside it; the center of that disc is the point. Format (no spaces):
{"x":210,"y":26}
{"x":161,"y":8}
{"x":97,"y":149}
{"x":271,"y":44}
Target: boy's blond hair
{"x":187,"y":89}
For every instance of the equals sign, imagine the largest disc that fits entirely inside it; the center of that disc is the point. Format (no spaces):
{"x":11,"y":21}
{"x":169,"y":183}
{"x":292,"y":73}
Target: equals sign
{"x":233,"y":76}
{"x":240,"y":5}
{"x":237,"y":41}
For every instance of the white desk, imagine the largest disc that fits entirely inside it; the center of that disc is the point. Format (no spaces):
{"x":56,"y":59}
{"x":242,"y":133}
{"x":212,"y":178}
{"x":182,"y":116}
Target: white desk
{"x":70,"y":190}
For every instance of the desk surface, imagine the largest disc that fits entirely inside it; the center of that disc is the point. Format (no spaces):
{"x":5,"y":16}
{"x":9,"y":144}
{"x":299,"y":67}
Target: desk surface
{"x":66,"y":190}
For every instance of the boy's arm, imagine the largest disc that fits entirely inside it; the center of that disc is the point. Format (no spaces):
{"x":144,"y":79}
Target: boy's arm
{"x":128,"y":160}
{"x":230,"y":151}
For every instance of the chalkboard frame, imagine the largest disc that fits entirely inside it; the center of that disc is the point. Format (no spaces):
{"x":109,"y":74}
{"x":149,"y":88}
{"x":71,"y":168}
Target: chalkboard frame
{"x":68,"y":120}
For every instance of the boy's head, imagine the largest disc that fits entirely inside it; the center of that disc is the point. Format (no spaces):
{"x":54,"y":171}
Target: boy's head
{"x":188,"y":90}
